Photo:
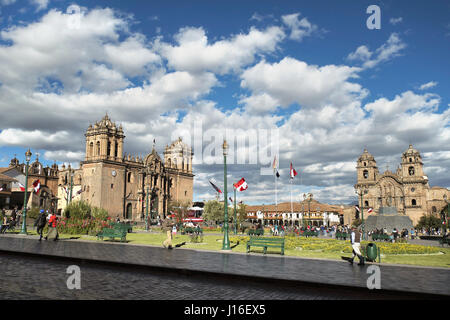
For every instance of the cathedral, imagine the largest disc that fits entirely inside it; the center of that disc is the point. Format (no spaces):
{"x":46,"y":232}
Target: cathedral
{"x":407,"y":189}
{"x":124,"y":184}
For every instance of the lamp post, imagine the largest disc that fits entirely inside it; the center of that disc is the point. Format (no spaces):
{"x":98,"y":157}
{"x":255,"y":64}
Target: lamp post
{"x":24,"y":212}
{"x":362,"y":191}
{"x":146,"y":211}
{"x":445,"y":216}
{"x":71,"y":184}
{"x":235,"y":216}
{"x":226,"y":240}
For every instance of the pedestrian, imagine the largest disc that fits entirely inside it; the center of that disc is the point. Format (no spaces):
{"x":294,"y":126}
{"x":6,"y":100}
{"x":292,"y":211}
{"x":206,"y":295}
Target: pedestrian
{"x":52,"y":227}
{"x":412,"y":233}
{"x":174,"y":230}
{"x":355,"y":239}
{"x":40,"y":223}
{"x":167,"y":226}
{"x":5,"y":225}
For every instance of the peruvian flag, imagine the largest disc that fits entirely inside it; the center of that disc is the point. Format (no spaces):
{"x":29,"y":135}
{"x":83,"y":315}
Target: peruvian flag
{"x":36,"y":186}
{"x":241,"y":185}
{"x":215,"y":187}
{"x":357,"y":208}
{"x":22,"y":187}
{"x":370,"y":210}
{"x":293,"y":172}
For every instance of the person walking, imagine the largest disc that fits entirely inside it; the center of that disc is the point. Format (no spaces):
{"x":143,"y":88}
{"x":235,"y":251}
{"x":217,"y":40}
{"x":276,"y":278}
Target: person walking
{"x":52,"y":227}
{"x":40,"y":223}
{"x":355,"y":239}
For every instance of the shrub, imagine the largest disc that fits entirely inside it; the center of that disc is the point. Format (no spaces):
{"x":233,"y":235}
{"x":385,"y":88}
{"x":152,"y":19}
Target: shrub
{"x":33,"y":213}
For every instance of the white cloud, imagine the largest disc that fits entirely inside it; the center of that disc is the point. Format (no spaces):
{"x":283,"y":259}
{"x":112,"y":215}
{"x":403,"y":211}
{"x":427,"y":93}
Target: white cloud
{"x":194,"y":54}
{"x":7,"y":2}
{"x":428,"y":85}
{"x":292,"y":81}
{"x":395,"y":21}
{"x":40,"y":4}
{"x":299,"y":28}
{"x":389,"y":50}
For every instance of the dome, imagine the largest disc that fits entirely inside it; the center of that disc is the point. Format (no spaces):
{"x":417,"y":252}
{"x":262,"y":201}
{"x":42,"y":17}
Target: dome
{"x":411,"y":151}
{"x":366,"y":156}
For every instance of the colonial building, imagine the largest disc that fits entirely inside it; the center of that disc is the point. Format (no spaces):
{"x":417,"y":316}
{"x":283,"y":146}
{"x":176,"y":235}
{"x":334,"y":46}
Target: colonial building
{"x":124,"y":184}
{"x":48,"y":179}
{"x":407,"y":188}
{"x":307,"y":212}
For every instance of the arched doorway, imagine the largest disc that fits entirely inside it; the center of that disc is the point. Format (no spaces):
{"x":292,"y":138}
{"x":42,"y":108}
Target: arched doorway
{"x":129,"y":212}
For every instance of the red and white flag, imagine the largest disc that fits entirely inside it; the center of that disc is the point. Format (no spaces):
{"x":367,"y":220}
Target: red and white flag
{"x":370,"y":210}
{"x":357,"y":208}
{"x":36,"y":186}
{"x":241,"y":185}
{"x":22,"y":187}
{"x":293,"y":172}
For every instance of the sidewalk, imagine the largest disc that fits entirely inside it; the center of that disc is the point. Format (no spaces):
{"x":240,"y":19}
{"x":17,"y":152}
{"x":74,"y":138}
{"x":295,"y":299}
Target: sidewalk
{"x":321,"y":271}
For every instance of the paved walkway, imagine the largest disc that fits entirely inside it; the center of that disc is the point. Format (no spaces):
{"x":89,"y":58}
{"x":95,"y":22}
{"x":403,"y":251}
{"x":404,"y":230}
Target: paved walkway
{"x":329,"y":272}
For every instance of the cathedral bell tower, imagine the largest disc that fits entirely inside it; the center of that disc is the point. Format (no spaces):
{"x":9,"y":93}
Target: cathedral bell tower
{"x":367,"y":169}
{"x":104,"y":141}
{"x":412,"y":165}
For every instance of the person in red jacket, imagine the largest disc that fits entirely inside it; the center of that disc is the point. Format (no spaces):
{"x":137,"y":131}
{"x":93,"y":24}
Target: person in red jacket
{"x":52,"y":227}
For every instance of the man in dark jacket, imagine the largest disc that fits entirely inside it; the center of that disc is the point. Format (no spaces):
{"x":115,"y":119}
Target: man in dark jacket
{"x":355,"y":239}
{"x":40,"y":223}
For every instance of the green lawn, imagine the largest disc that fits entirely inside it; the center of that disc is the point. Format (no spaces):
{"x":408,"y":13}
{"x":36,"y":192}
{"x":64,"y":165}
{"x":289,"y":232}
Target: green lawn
{"x":308,"y":248}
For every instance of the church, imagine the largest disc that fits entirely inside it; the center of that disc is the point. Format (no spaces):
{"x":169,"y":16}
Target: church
{"x":124,"y":184}
{"x":407,"y":189}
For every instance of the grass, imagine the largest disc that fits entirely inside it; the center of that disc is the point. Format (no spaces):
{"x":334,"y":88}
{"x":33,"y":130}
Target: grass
{"x":312,"y":248}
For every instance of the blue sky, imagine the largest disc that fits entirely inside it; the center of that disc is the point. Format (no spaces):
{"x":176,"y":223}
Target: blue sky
{"x":312,"y":70}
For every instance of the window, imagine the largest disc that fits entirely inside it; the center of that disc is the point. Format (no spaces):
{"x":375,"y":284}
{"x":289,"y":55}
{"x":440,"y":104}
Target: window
{"x":411,"y":171}
{"x":410,"y":160}
{"x":129,"y":177}
{"x":413,"y":202}
{"x":433,"y":209}
{"x":365,"y":164}
{"x":115,"y":149}
{"x":108,"y":150}
{"x":366,"y":203}
{"x":98,"y":148}
{"x":112,"y":185}
{"x":365,"y":174}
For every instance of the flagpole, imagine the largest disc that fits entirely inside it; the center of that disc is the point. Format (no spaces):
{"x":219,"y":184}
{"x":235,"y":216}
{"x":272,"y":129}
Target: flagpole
{"x":292,"y":209}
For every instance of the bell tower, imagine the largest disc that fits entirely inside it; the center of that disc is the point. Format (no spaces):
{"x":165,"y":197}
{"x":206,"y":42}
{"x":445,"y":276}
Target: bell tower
{"x":104,"y":141}
{"x":367,"y":169}
{"x":412,"y":165}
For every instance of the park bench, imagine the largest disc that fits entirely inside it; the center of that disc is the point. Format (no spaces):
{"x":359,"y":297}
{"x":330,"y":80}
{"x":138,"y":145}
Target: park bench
{"x":127,"y":226}
{"x":381,"y":237}
{"x":266,"y":243}
{"x":342,"y":235}
{"x":116,"y":231}
{"x":255,"y":232}
{"x":444,"y":240}
{"x":311,"y":234}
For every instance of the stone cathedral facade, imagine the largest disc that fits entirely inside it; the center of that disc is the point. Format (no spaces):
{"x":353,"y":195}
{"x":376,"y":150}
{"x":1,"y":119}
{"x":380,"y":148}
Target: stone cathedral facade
{"x":407,"y":188}
{"x":120,"y":183}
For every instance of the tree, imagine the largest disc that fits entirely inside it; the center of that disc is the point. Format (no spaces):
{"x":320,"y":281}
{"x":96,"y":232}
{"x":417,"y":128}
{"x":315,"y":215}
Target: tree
{"x":179,"y":209}
{"x":241,"y":213}
{"x":213,"y":211}
{"x":428,"y":222}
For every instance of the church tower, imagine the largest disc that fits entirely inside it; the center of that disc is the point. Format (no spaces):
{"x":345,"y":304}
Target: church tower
{"x":104,"y":141}
{"x":412,"y":165}
{"x":367,"y":169}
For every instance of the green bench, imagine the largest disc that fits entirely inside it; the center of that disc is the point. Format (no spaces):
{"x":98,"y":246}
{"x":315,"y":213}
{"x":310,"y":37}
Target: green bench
{"x":266,"y":243}
{"x":311,"y":234}
{"x":116,"y":231}
{"x":444,"y":240}
{"x":342,"y":235}
{"x":381,"y":237}
{"x":255,"y":232}
{"x":127,"y":226}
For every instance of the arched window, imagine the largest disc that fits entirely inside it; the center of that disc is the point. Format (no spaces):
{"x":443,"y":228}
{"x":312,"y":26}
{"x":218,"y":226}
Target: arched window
{"x":115,"y":149}
{"x":433,"y":209}
{"x":365,"y":174}
{"x":91,"y":149}
{"x":366,"y":203}
{"x":410,"y":160}
{"x":108,"y":150}
{"x":365,"y":164}
{"x":411,"y":171}
{"x":413,"y":202}
{"x":98,"y":148}
{"x":129,"y":177}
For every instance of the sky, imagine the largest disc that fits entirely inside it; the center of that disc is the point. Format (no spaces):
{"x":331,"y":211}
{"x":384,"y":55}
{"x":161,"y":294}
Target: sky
{"x":307,"y":81}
